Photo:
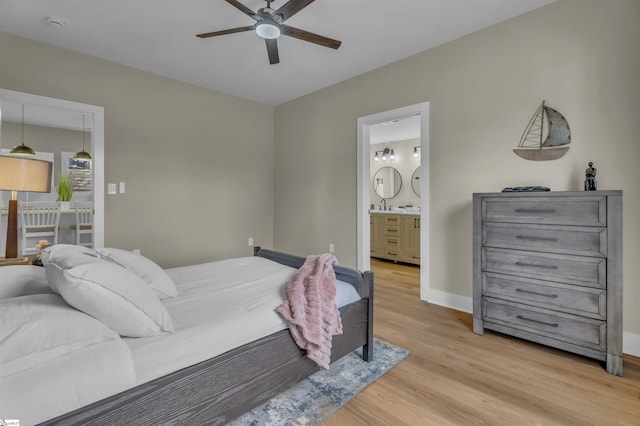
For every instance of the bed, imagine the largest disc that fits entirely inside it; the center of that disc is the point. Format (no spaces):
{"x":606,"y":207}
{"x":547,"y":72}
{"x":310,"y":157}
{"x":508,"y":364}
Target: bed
{"x":181,"y":375}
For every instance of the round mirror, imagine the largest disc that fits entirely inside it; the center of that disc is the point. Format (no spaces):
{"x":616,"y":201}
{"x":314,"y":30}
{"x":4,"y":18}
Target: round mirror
{"x":415,"y":181}
{"x":387,"y":182}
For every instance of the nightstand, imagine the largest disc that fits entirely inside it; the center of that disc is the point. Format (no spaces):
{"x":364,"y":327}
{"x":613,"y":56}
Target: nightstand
{"x":23,"y":260}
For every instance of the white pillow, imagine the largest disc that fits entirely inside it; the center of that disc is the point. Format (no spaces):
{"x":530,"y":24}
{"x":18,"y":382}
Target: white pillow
{"x":39,"y":328}
{"x":108,"y":292}
{"x":145,"y":268}
{"x":21,"y":280}
{"x":62,"y":249}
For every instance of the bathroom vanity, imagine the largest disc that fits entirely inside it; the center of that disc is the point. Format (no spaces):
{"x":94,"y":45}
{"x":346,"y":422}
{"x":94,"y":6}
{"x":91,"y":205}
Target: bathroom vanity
{"x":395,"y":235}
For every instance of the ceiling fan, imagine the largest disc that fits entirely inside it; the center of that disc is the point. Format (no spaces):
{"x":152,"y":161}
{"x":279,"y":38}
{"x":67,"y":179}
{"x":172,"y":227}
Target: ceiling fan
{"x":270,"y":25}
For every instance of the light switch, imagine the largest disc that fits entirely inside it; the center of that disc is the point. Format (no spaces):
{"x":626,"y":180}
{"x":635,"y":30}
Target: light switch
{"x":122,"y":187}
{"x":111,"y":188}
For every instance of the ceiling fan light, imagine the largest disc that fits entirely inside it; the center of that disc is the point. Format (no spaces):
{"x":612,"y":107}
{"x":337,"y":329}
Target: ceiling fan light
{"x":268,"y":30}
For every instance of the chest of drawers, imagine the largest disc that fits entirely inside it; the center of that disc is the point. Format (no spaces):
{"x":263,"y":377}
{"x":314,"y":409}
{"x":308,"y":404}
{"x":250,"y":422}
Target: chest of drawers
{"x":547,"y":267}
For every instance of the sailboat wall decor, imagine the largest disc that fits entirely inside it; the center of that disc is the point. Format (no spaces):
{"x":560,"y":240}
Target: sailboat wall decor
{"x":547,"y":136}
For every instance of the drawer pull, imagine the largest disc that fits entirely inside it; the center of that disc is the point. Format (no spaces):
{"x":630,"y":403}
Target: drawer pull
{"x":392,"y":230}
{"x":532,"y":237}
{"x":520,"y":317}
{"x":553,"y":296}
{"x":535,"y":211}
{"x":536,"y":266}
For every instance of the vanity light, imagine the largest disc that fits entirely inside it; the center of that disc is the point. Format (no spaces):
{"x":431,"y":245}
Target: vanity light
{"x":22,"y":150}
{"x":82,"y":155}
{"x":386,"y":154}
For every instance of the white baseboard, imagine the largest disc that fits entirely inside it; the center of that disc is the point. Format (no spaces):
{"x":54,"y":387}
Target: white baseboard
{"x":630,"y":341}
{"x":631,"y":344}
{"x":450,"y":300}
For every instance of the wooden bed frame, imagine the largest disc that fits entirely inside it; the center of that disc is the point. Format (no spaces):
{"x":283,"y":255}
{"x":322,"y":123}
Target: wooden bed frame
{"x":220,"y":389}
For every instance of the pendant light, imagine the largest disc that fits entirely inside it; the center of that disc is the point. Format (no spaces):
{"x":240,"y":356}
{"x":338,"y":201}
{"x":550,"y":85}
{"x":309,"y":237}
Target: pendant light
{"x":22,"y":150}
{"x":82,"y":155}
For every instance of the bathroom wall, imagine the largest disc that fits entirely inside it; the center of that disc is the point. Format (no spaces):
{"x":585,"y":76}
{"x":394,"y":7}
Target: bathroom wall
{"x":405,"y":163}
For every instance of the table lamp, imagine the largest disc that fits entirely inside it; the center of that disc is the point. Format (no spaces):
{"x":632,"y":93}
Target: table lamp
{"x":21,"y":174}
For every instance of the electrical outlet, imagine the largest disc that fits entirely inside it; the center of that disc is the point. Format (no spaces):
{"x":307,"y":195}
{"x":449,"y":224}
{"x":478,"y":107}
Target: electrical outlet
{"x":136,"y":251}
{"x":111,"y":188}
{"x":250,"y":241}
{"x":331,"y":248}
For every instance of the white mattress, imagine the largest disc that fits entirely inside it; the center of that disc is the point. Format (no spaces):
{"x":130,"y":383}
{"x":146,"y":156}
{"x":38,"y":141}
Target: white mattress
{"x":222,"y":305}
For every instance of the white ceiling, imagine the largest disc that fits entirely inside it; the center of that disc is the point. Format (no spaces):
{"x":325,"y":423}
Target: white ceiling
{"x":399,"y":129}
{"x":158,"y":36}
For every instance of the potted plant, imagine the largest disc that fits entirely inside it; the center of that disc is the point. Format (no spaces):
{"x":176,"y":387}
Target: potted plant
{"x":65,"y":191}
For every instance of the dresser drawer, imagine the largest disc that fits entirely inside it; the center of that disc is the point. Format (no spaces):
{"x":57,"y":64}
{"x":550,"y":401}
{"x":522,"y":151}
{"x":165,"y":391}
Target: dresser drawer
{"x":391,"y":219}
{"x":391,"y":253}
{"x":591,"y":302}
{"x":568,"y":328}
{"x":579,"y":270}
{"x":579,"y":240}
{"x":392,"y":230}
{"x":582,"y":211}
{"x":392,"y":243}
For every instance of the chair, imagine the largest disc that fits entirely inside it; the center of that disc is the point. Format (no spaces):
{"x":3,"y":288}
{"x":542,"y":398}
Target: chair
{"x":84,"y":223}
{"x":38,"y":220}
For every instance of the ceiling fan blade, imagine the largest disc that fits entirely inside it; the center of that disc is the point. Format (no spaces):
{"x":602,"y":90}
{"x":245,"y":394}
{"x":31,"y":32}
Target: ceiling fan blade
{"x":242,"y":8}
{"x":229,"y":31}
{"x":310,"y":37}
{"x":292,"y":7}
{"x":272,"y":50}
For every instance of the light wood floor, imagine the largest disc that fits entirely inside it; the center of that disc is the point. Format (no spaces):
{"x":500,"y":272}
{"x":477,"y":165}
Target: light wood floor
{"x":455,"y":377}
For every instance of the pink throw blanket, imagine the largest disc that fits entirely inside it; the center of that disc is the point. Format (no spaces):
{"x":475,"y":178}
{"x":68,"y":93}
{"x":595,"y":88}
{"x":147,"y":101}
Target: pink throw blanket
{"x":310,"y":308}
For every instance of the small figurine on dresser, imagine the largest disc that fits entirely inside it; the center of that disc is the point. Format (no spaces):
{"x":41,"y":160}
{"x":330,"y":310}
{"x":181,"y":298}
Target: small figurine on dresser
{"x":590,"y":182}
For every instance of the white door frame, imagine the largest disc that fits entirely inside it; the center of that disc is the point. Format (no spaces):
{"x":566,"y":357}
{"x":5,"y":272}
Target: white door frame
{"x":96,"y":114}
{"x":363,"y":171}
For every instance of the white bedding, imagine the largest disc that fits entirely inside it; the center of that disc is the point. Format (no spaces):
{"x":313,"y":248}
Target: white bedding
{"x":64,"y":359}
{"x":221,"y":305}
{"x":54,"y":359}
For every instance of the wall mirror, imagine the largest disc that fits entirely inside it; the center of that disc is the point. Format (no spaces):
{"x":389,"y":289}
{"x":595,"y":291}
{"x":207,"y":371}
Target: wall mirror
{"x":415,"y":181}
{"x":70,"y":124}
{"x":387,"y":182}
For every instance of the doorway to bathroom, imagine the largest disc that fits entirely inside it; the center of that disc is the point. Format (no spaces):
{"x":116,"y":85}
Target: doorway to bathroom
{"x":393,"y":188}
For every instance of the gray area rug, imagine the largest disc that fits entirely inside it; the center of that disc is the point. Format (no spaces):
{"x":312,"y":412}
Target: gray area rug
{"x":317,"y":397}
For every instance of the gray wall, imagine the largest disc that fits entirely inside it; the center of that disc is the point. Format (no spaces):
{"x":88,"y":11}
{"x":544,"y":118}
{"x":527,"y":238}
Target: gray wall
{"x":581,"y":56}
{"x":198,"y":165}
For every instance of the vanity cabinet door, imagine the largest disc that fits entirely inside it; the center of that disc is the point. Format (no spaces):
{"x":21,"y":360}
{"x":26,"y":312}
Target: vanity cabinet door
{"x":377,"y":235}
{"x":410,"y":239}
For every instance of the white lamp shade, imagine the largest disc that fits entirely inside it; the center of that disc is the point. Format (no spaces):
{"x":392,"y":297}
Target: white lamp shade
{"x":25,"y":174}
